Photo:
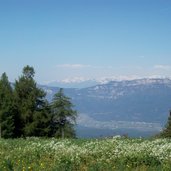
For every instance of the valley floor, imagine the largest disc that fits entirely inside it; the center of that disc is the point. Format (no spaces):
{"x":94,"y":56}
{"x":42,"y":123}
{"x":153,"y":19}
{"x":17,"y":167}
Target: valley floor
{"x":114,"y":153}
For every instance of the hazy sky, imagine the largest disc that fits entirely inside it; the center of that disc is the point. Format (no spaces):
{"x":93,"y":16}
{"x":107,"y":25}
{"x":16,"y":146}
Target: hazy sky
{"x":64,"y":39}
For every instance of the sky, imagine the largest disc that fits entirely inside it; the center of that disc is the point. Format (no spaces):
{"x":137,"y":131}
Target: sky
{"x":76,"y":40}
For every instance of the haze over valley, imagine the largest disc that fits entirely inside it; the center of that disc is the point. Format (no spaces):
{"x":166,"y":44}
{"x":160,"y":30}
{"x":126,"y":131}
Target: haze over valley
{"x":135,"y":107}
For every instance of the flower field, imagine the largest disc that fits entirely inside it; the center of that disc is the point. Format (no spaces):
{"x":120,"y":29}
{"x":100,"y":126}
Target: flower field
{"x":86,"y":155}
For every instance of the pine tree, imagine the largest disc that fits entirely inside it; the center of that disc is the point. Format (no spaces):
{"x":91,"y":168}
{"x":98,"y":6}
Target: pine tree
{"x":6,"y":108}
{"x":167,"y":130}
{"x":32,"y":119}
{"x":41,"y":121}
{"x":63,"y":116}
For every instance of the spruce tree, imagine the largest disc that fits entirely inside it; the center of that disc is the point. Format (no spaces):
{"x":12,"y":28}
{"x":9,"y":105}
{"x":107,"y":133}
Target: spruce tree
{"x":41,"y":121}
{"x":63,"y":115}
{"x":6,"y":108}
{"x":32,"y":117}
{"x":167,"y":130}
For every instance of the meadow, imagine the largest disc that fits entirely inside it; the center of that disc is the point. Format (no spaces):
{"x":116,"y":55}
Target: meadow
{"x":116,"y":153}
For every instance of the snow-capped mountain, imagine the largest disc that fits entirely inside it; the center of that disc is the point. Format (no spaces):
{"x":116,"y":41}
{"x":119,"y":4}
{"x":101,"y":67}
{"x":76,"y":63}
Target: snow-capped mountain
{"x":81,"y":82}
{"x":75,"y":83}
{"x":141,"y":104}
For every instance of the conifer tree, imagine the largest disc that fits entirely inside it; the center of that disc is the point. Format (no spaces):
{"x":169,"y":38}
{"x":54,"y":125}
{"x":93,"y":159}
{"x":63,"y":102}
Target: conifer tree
{"x":63,"y":116}
{"x":6,"y":108}
{"x":167,"y":130}
{"x":41,"y":121}
{"x":32,"y":119}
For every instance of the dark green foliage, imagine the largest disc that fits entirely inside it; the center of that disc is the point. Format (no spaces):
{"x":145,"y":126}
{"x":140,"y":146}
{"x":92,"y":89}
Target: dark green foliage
{"x":63,"y":116}
{"x":167,"y":130}
{"x":6,"y":108}
{"x":32,"y":117}
{"x":41,"y":121}
{"x":25,"y":112}
{"x":28,"y":72}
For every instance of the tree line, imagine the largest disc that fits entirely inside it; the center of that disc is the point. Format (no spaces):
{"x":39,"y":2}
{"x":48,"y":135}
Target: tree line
{"x":24,"y":110}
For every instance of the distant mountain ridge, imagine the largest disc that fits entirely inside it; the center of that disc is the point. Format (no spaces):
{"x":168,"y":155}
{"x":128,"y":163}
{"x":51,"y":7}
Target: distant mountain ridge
{"x":80,"y":82}
{"x":73,"y":84}
{"x":135,"y":104}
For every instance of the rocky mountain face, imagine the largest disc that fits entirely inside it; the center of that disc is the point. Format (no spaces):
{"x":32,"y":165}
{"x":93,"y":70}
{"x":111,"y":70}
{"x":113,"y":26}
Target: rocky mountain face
{"x":141,"y":104}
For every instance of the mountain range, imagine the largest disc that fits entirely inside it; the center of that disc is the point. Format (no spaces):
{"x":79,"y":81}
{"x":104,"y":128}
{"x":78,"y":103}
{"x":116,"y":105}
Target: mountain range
{"x":135,"y":107}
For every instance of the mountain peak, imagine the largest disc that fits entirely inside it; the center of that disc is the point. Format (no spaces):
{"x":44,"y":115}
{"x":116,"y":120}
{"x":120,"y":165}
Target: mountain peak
{"x":80,"y":82}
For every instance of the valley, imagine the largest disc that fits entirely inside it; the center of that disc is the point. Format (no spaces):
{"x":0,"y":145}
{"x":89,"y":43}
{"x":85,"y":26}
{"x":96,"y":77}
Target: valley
{"x":137,"y":105}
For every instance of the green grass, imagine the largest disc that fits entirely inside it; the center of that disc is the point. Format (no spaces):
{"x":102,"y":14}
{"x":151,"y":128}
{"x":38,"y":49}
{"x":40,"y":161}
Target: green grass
{"x":116,"y":154}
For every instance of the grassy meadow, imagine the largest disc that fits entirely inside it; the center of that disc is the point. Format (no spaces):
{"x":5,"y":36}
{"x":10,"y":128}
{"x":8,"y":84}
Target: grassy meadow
{"x":115,"y":153}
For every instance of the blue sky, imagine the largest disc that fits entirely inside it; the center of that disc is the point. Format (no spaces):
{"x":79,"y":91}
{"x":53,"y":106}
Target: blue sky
{"x":85,"y":39}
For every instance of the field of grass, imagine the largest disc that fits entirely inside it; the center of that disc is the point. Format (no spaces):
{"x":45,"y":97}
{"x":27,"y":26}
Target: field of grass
{"x":85,"y":155}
